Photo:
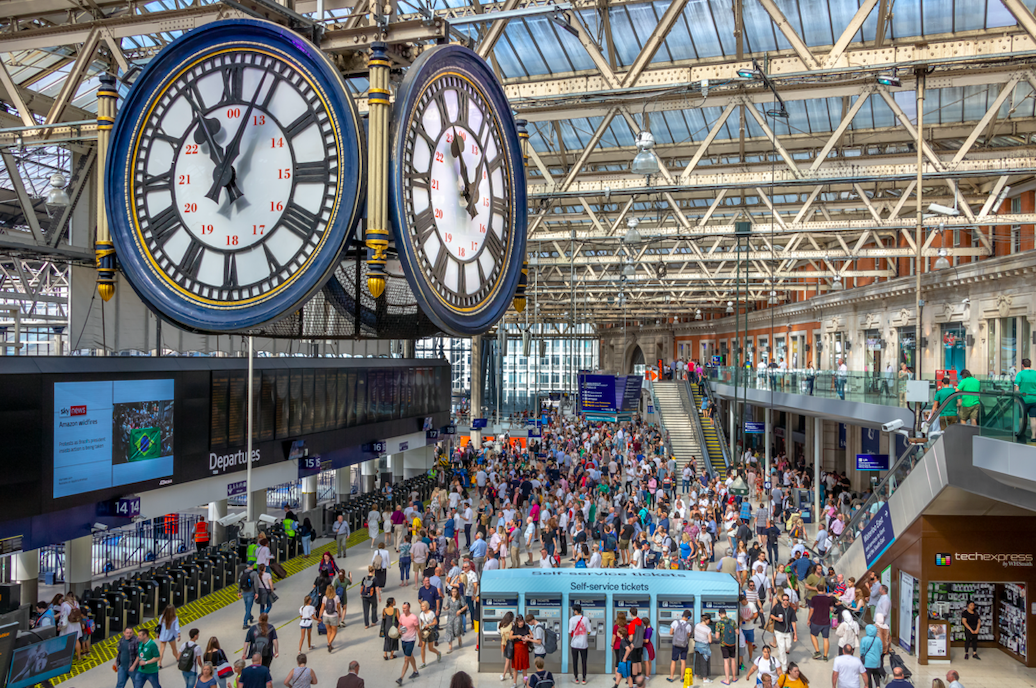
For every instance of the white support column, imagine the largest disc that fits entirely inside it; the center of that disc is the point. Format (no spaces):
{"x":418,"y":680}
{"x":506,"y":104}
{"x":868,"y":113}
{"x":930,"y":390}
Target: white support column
{"x":309,"y":492}
{"x":26,"y":572}
{"x":417,"y":461}
{"x":257,"y":505}
{"x":368,"y":475}
{"x":476,"y":387}
{"x":818,"y":453}
{"x":343,"y":483}
{"x":78,"y":564}
{"x":217,"y":510}
{"x":397,"y":462}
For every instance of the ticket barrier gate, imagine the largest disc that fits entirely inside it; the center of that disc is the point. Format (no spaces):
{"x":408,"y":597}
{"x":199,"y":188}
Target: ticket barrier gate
{"x":711,"y":606}
{"x":595,"y":609}
{"x":191,"y":572}
{"x":98,"y":607}
{"x":164,"y":584}
{"x":134,"y":593}
{"x":118,"y":613}
{"x":670,"y":608}
{"x":204,"y":574}
{"x":178,"y":586}
{"x":149,"y":593}
{"x":217,"y":570}
{"x":547,"y":609}
{"x":490,"y":654}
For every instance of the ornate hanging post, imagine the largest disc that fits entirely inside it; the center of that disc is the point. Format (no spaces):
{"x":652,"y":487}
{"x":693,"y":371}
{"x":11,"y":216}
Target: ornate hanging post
{"x":104,"y":250}
{"x":523,"y":281}
{"x":376,"y":237}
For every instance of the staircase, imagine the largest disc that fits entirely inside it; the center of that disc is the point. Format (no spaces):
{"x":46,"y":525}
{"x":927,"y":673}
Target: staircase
{"x":682,"y":437}
{"x":708,"y":427}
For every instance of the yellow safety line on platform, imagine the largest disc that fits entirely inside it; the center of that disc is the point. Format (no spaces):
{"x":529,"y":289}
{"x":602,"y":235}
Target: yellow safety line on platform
{"x":104,"y":651}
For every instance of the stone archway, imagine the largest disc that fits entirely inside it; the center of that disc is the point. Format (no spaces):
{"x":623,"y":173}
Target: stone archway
{"x":635,"y":357}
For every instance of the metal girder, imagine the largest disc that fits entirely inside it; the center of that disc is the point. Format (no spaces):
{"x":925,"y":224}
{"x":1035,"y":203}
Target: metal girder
{"x":797,"y":44}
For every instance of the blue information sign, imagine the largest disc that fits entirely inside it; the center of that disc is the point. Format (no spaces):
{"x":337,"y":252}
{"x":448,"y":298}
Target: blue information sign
{"x":478,"y":423}
{"x":609,"y":393}
{"x":128,"y":507}
{"x":309,"y":465}
{"x":240,"y":487}
{"x":755,"y":427}
{"x":878,"y":535}
{"x":872,"y":462}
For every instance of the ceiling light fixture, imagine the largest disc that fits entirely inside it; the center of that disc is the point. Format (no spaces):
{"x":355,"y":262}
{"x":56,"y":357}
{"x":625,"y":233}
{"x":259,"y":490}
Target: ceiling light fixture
{"x":889,"y":79}
{"x":628,"y":270}
{"x":942,"y":262}
{"x":632,"y":235}
{"x":697,"y":314}
{"x":730,"y":307}
{"x":773,"y":298}
{"x":57,"y":197}
{"x":836,"y":284}
{"x":645,"y":162}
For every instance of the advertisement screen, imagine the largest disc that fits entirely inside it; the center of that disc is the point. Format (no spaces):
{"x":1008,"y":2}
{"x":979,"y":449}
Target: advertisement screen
{"x":33,"y":664}
{"x":111,"y":433}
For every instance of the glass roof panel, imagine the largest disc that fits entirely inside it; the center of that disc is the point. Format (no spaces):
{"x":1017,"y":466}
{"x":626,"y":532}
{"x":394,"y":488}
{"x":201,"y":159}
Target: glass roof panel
{"x":627,"y":42}
{"x":938,"y":16}
{"x":906,"y":20}
{"x":703,"y":29}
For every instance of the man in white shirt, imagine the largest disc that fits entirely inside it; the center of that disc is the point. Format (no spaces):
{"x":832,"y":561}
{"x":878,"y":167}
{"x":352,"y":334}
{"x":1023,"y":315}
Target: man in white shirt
{"x":469,"y":516}
{"x":953,"y":679}
{"x":843,"y":377}
{"x":579,"y":637}
{"x":595,"y":558}
{"x":680,"y":631}
{"x":847,"y":670}
{"x":545,"y":562}
{"x":492,"y":563}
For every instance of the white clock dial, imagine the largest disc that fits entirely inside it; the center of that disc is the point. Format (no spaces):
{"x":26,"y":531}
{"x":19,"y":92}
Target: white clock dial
{"x":458,"y":192}
{"x":236,"y":180}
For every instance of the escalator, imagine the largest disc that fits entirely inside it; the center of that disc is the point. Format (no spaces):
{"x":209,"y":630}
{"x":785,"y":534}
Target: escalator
{"x":713,"y":447}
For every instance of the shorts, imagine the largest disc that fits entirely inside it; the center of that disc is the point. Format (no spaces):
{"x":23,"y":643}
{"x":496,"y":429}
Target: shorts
{"x":947,"y":421}
{"x":729,"y":651}
{"x":408,"y":648}
{"x":679,"y":653}
{"x":967,"y":413}
{"x":330,"y":619}
{"x":624,"y":544}
{"x":759,"y":530}
{"x":1030,"y":410}
{"x":637,"y":654}
{"x":820,"y":630}
{"x":749,"y":634}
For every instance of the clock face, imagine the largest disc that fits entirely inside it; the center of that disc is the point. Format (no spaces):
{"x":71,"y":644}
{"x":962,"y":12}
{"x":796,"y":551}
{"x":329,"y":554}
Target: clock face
{"x":459,"y":195}
{"x":234,"y":178}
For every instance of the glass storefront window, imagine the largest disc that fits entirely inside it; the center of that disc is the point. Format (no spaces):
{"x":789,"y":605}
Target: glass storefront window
{"x":1008,"y":342}
{"x":907,"y":346}
{"x":953,"y":346}
{"x":780,"y":350}
{"x":872,"y":352}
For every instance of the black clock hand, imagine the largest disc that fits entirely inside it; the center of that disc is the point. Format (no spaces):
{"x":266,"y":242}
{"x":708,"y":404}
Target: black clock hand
{"x":458,"y":153}
{"x":216,"y":153}
{"x":473,"y":197}
{"x":223,"y":175}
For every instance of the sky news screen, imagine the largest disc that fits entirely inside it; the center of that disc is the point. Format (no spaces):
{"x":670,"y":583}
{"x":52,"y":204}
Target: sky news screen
{"x":111,"y":433}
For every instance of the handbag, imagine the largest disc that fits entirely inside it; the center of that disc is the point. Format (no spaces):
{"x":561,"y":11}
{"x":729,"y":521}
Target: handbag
{"x":393,"y":632}
{"x":223,"y":668}
{"x":509,"y":650}
{"x":624,"y":669}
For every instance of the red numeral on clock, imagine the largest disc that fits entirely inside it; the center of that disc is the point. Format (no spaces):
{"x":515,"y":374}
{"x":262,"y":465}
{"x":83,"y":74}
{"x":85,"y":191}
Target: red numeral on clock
{"x":232,"y":240}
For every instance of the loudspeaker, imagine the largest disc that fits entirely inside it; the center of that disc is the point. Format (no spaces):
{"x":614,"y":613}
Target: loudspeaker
{"x":10,"y":597}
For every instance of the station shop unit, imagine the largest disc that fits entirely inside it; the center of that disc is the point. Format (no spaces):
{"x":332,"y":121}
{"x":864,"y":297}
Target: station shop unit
{"x":941,"y":563}
{"x":660,"y":596}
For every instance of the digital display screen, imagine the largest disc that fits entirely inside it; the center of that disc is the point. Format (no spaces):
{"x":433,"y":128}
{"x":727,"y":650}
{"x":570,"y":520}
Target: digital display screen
{"x":36,"y":663}
{"x":111,"y":433}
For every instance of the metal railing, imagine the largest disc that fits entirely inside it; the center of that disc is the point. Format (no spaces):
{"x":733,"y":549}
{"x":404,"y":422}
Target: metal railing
{"x":1000,"y":417}
{"x":133,"y":546}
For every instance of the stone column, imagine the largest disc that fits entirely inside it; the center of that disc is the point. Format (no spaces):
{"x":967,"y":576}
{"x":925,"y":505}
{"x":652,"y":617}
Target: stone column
{"x":476,"y":387}
{"x":26,"y":572}
{"x":258,"y":505}
{"x":217,"y":510}
{"x":368,"y":475}
{"x":417,"y":461}
{"x":769,"y":439}
{"x":343,"y":484}
{"x":78,"y":564}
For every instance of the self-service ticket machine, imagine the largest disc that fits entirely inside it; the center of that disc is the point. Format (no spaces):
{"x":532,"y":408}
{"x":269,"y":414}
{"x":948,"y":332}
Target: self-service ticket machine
{"x":595,"y":609}
{"x":626,"y":604}
{"x":490,"y":655}
{"x":670,"y":608}
{"x":711,"y":606}
{"x":549,"y":611}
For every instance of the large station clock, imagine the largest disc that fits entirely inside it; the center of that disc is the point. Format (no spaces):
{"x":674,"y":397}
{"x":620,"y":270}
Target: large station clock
{"x":236,"y":176}
{"x":457,"y":190}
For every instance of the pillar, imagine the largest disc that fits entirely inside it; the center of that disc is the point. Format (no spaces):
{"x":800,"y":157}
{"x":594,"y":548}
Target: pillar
{"x":343,"y":484}
{"x":309,"y":492}
{"x":258,"y":505}
{"x":769,"y":441}
{"x":217,"y":510}
{"x":396,"y":461}
{"x":368,"y":475}
{"x":26,"y":572}
{"x":476,"y":387}
{"x":818,"y":453}
{"x":417,"y":461}
{"x":78,"y":564}
{"x":733,"y":430}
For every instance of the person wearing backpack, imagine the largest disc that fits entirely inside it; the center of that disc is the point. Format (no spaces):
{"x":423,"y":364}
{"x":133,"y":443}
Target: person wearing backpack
{"x":189,"y":662}
{"x":680,"y":631}
{"x":726,"y":629}
{"x":261,"y":640}
{"x":370,"y":596}
{"x":578,"y":640}
{"x":539,"y":649}
{"x":342,"y":583}
{"x":541,"y":678}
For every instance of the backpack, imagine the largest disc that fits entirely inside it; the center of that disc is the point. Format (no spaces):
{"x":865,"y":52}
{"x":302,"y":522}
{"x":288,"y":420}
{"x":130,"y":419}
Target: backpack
{"x":638,"y":636}
{"x":330,"y":606}
{"x":544,"y":681}
{"x":609,"y":543}
{"x":728,"y":633}
{"x":367,"y":590}
{"x":681,"y":634}
{"x":261,"y":643}
{"x":245,"y":582}
{"x":378,"y":562}
{"x":186,"y":661}
{"x":581,"y":564}
{"x":672,"y":545}
{"x":550,"y":640}
{"x":340,"y":591}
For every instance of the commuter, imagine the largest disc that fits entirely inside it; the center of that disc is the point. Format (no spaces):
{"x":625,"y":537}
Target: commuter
{"x":145,"y":668}
{"x":208,"y":678}
{"x":256,"y":675}
{"x":819,"y":620}
{"x":430,"y":594}
{"x":952,"y":676}
{"x":404,"y":550}
{"x":125,"y":658}
{"x":307,"y":615}
{"x":871,"y":655}
{"x":398,"y":520}
{"x":370,"y":596}
{"x":768,"y":667}
{"x":261,"y":640}
{"x":784,"y":629}
{"x":266,"y":594}
{"x":969,"y":406}
{"x":579,"y":637}
{"x":380,"y":561}
{"x":189,"y":659}
{"x":301,"y":676}
{"x":972,"y":624}
{"x":541,"y":678}
{"x":215,"y":656}
{"x":168,"y":633}
{"x":793,"y":678}
{"x":478,"y":550}
{"x":408,"y":624}
{"x":681,"y":631}
{"x":428,"y":621}
{"x":703,"y":637}
{"x":373,"y":518}
{"x":1025,"y":384}
{"x":451,"y":619}
{"x":390,"y":629}
{"x":341,"y":532}
{"x":727,"y":634}
{"x":847,"y":669}
{"x":899,"y":679}
{"x":306,"y":536}
{"x":948,"y":415}
{"x":352,"y":679}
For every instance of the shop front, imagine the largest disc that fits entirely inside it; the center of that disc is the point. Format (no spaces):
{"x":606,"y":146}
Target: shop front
{"x":1008,"y":340}
{"x":954,"y":340}
{"x":944,"y":562}
{"x":907,"y":346}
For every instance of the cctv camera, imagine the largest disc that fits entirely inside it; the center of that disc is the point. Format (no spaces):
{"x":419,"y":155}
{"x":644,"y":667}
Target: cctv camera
{"x":966,"y":301}
{"x":231,"y":519}
{"x":267,"y":518}
{"x":943,"y":209}
{"x":100,"y":526}
{"x":893,"y":425}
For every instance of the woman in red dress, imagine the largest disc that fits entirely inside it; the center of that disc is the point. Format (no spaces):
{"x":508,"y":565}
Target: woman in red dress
{"x":521,"y":634}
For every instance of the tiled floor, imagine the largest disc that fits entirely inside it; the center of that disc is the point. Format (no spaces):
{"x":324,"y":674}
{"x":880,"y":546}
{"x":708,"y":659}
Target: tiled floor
{"x":996,"y":670}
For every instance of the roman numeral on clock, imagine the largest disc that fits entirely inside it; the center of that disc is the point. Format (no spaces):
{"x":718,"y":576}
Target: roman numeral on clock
{"x":299,"y":220}
{"x":424,"y":225}
{"x":159,"y":182}
{"x":229,"y":270}
{"x":191,"y":261}
{"x":312,"y":172}
{"x":164,"y":224}
{"x":301,"y":124}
